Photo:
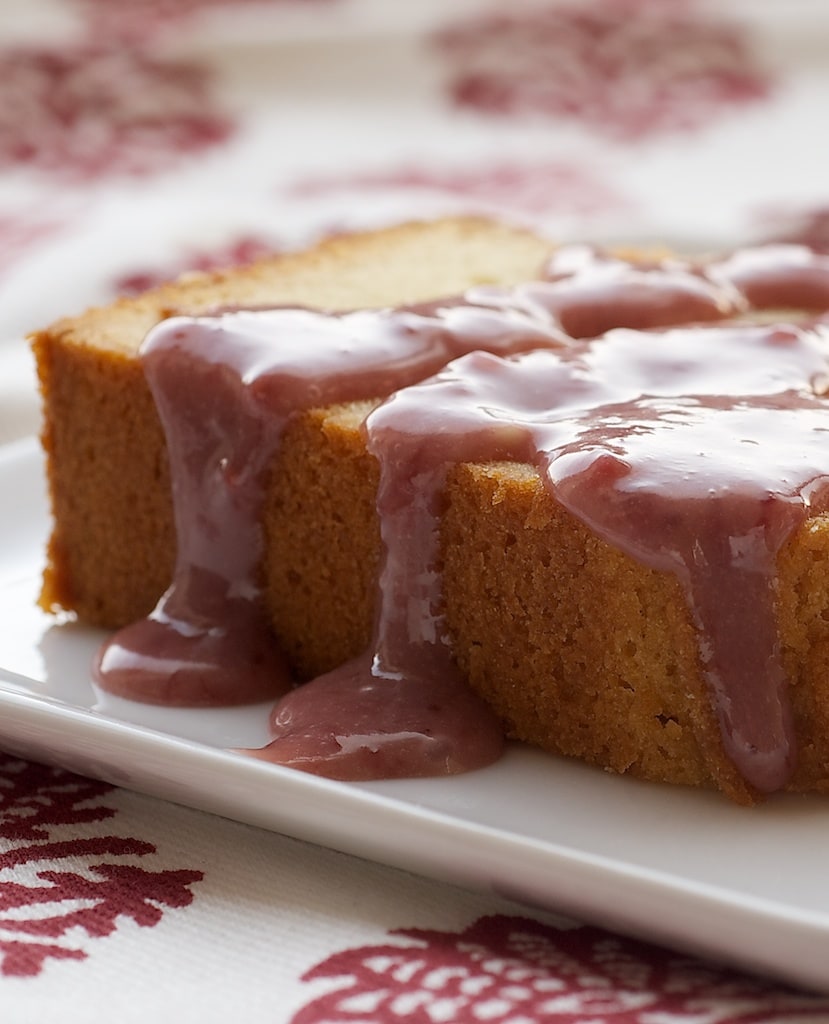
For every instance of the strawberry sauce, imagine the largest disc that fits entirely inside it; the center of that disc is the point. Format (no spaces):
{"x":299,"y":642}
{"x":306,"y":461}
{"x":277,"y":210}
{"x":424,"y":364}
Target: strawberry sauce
{"x":697,"y":450}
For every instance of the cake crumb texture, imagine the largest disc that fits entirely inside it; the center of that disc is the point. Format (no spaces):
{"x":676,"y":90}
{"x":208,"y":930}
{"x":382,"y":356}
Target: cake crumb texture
{"x":579,"y":649}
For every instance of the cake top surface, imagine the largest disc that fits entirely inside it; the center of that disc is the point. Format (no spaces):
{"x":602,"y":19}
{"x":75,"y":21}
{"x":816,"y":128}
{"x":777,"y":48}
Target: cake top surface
{"x":410,"y":263}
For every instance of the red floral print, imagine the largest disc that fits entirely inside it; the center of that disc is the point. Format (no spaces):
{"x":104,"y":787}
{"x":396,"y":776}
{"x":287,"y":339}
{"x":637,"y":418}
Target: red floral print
{"x":546,"y":187}
{"x":18,"y":233}
{"x":238,"y":252}
{"x":626,"y":68}
{"x":86,"y":896}
{"x":87,"y":112}
{"x":503,"y":970}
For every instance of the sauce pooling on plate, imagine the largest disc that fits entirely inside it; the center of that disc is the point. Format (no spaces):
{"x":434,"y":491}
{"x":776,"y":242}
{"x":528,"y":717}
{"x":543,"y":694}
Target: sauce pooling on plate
{"x":607,"y":416}
{"x":225,"y":387}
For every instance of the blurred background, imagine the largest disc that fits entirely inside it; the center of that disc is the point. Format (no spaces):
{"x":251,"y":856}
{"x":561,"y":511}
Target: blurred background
{"x":141,"y":139}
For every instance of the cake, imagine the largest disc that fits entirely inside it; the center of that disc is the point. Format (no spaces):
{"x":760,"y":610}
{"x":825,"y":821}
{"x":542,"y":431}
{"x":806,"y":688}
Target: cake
{"x":112,"y":548}
{"x":572,"y":642}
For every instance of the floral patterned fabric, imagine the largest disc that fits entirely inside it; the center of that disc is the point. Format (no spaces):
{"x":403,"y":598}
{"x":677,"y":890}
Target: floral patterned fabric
{"x":139,"y":140}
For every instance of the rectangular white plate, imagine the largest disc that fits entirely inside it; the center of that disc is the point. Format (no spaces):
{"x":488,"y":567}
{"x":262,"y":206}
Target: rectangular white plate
{"x":679,"y":867}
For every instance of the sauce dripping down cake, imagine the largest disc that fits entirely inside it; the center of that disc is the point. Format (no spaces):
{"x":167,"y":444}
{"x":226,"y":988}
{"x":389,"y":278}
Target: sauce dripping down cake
{"x":573,"y":503}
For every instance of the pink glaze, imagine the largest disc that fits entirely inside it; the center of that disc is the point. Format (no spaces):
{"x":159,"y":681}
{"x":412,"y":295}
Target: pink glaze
{"x":777,"y":276}
{"x":697,"y":451}
{"x":360,"y":723}
{"x":592,"y":292}
{"x":226,"y":386}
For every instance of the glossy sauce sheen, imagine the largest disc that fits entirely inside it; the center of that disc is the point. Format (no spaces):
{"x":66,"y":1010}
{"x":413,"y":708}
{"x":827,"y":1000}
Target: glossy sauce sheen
{"x":225,"y":387}
{"x":697,"y":451}
{"x":608,"y":424}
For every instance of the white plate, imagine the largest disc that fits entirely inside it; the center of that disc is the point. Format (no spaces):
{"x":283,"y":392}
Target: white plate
{"x":679,"y":867}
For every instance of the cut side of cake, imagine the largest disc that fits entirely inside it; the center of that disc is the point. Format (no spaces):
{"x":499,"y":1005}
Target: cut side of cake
{"x":499,"y":570}
{"x":112,"y":549}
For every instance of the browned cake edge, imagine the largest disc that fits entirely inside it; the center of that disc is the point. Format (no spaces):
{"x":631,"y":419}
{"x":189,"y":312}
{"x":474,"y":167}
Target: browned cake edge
{"x":111,"y":549}
{"x":578,"y":648}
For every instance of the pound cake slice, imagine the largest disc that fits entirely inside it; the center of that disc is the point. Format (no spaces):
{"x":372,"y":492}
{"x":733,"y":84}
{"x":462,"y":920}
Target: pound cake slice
{"x":112,"y":549}
{"x":575,"y":640}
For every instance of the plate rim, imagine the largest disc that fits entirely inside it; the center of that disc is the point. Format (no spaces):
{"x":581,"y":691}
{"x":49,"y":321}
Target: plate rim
{"x":556,"y":878}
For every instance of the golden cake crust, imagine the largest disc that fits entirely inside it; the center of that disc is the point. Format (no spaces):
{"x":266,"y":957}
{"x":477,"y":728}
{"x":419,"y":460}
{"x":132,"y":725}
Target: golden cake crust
{"x":578,"y":648}
{"x":112,"y":546}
